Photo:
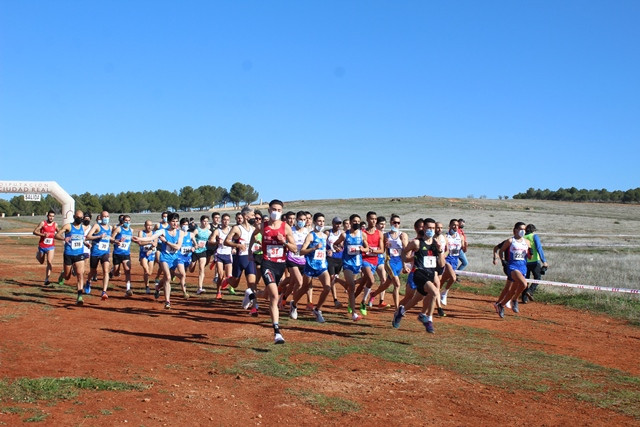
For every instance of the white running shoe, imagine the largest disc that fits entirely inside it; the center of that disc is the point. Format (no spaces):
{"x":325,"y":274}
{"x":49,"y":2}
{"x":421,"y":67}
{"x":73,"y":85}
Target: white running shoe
{"x":508,"y":304}
{"x":318,"y":315}
{"x":293,"y":311}
{"x":443,"y":299}
{"x":278,"y":339}
{"x":247,"y":302}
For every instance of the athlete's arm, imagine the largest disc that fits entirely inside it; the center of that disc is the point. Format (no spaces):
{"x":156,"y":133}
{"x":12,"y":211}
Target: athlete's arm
{"x":408,"y":248}
{"x":289,"y":242}
{"x":64,"y":229}
{"x":305,"y":249}
{"x":37,"y":232}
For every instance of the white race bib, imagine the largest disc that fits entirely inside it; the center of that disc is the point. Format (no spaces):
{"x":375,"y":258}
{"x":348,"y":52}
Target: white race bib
{"x":256,"y":247}
{"x":48,"y":241}
{"x":76,"y":244}
{"x":353,"y":249}
{"x":394,"y":252}
{"x":185,"y":250}
{"x":275,"y":251}
{"x":124,"y":245}
{"x":519,"y":256}
{"x":429,"y":261}
{"x":201,"y":244}
{"x":320,"y":254}
{"x":454,"y":251}
{"x":170,"y":250}
{"x":103,"y":246}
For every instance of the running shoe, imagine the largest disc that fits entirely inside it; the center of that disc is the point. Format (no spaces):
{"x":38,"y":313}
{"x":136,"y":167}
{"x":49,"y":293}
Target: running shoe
{"x":219,"y":295}
{"x":254,"y":312}
{"x":147,"y":290}
{"x":397,"y":318}
{"x":61,"y":280}
{"x":441,"y":312}
{"x":104,"y":296}
{"x":370,"y":304}
{"x":318,"y":315}
{"x":246,"y":301}
{"x":46,"y":283}
{"x":200,"y":291}
{"x":500,"y":311}
{"x":514,"y":306}
{"x":94,"y":278}
{"x":337,"y":304}
{"x":278,"y":338}
{"x":349,"y":309}
{"x":87,"y":287}
{"x":79,"y":300}
{"x":422,"y":317}
{"x":156,"y":293}
{"x":128,"y":293}
{"x":167,"y":305}
{"x":383,"y":305}
{"x":293,"y":311}
{"x":225,"y":283}
{"x":232,"y":290}
{"x":363,"y":308}
{"x":429,"y":327}
{"x":355,"y":317}
{"x":185,"y":295}
{"x":508,"y":304}
{"x":443,"y":299}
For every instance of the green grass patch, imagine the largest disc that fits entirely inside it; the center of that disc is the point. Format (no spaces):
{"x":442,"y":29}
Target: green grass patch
{"x":272,"y":362}
{"x":39,"y":389}
{"x":325,"y":403}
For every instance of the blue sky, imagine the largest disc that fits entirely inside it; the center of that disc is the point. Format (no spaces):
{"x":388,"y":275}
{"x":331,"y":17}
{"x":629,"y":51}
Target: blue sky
{"x":321,"y":99}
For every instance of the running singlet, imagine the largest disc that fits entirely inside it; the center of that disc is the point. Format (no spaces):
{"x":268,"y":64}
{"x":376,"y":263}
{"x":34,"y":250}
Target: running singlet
{"x":299,"y":235}
{"x":426,"y":257}
{"x":222,"y":249}
{"x":148,"y":248}
{"x":374,"y":243}
{"x":167,"y":253}
{"x":395,"y":246}
{"x":317,"y":259}
{"x":331,"y":239}
{"x":49,"y":231}
{"x":518,"y":253}
{"x":351,"y":254}
{"x":272,"y":249}
{"x":202,"y":236}
{"x":75,"y":246}
{"x":101,"y":247}
{"x":124,"y":237}
{"x":245,"y":237}
{"x":187,"y":244}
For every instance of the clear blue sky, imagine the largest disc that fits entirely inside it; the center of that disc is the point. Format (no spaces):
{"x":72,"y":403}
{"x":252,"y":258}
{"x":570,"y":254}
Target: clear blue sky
{"x":321,"y":99}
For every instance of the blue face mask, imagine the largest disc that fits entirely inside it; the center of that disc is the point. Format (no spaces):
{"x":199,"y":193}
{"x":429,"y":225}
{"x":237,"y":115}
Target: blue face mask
{"x":126,"y":224}
{"x":301,"y":223}
{"x":105,"y":221}
{"x":429,"y":233}
{"x":394,"y":229}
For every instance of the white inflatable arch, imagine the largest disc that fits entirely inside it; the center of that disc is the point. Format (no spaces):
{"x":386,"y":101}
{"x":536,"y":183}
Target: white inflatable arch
{"x":43,"y":187}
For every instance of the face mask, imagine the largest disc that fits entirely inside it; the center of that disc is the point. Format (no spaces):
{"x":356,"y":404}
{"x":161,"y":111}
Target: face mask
{"x":355,"y":227}
{"x":105,"y":221}
{"x":394,"y":229}
{"x":185,"y":228}
{"x":520,"y":233}
{"x":318,"y":228}
{"x":301,"y":223}
{"x":452,"y":232}
{"x":164,"y":219}
{"x":429,"y":233}
{"x":86,"y":222}
{"x":251,"y":221}
{"x":77,"y":221}
{"x":275,"y":215}
{"x":126,"y":224}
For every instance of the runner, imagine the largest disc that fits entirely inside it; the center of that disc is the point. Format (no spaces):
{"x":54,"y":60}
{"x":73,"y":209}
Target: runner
{"x":515,"y":252}
{"x":334,"y":258}
{"x":162,"y":225}
{"x":277,"y":239}
{"x":100,"y":235}
{"x":381,"y":223}
{"x":47,"y":231}
{"x":200,"y":253}
{"x":441,"y":240}
{"x":121,"y":236}
{"x":171,"y":242}
{"x":223,"y":258}
{"x":374,"y":239}
{"x":147,"y":254}
{"x":394,"y":242}
{"x":354,"y":246}
{"x":426,"y":256}
{"x":185,"y":256}
{"x":73,"y":236}
{"x":455,"y":242}
{"x":115,"y":270}
{"x":211,"y":246}
{"x":463,"y":251}
{"x":295,"y":261}
{"x":239,"y":239}
{"x":314,"y":250}
{"x":256,"y":253}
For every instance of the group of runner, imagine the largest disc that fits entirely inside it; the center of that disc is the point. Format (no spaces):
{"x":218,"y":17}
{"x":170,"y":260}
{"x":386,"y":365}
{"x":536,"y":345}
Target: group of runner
{"x":284,"y":250}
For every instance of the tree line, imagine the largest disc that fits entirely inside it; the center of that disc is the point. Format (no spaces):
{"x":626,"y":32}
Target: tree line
{"x":574,"y":195}
{"x":186,"y":199}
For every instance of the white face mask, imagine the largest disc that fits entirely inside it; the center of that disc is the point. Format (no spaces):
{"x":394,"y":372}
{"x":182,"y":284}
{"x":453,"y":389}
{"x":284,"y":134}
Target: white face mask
{"x":319,"y":228}
{"x":520,"y":233}
{"x":185,"y":228}
{"x":275,"y":215}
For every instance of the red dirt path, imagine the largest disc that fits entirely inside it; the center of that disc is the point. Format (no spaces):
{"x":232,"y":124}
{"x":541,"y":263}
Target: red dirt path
{"x":183,"y":354}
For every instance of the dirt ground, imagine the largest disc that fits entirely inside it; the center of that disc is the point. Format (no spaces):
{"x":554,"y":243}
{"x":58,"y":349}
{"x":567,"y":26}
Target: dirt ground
{"x":185,"y":356}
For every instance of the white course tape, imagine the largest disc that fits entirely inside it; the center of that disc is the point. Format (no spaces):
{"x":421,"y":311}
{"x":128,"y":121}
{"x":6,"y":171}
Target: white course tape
{"x":547,"y":282}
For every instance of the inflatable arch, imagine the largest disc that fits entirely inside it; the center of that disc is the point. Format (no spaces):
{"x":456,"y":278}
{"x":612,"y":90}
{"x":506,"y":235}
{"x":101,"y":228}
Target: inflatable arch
{"x":43,"y":187}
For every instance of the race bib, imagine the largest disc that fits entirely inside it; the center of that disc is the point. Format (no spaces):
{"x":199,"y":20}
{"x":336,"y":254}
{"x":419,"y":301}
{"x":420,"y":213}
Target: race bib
{"x":170,"y":250}
{"x":256,"y":247}
{"x":454,"y":251}
{"x":201,"y":244}
{"x":124,"y":245}
{"x":519,"y":256}
{"x":353,"y":249}
{"x":147,"y":247}
{"x":103,"y":246}
{"x":429,"y":261}
{"x":320,"y":254}
{"x":76,"y":244}
{"x":394,"y":252}
{"x":185,"y":250}
{"x":48,"y":241}
{"x":275,"y":251}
